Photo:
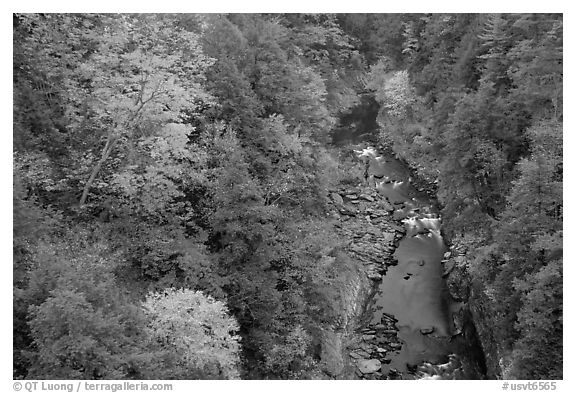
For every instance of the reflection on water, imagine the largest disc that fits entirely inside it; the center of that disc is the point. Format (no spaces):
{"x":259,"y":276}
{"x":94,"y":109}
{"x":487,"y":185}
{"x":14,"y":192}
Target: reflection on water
{"x":413,"y":291}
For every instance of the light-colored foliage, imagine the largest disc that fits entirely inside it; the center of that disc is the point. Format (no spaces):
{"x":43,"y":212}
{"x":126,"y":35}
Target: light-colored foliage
{"x":121,"y":78}
{"x":196,"y":329}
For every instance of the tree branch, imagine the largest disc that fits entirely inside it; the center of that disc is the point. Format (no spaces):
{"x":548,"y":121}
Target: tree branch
{"x":105,"y":153}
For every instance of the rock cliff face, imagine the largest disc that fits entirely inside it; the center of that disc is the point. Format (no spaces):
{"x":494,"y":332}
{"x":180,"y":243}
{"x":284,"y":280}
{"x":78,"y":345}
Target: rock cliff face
{"x":364,"y":218}
{"x":334,"y":339}
{"x":473,"y":318}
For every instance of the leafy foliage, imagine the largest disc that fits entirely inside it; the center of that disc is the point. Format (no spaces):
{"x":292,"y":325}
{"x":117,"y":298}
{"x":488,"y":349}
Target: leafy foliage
{"x":80,"y":323}
{"x":191,"y":152}
{"x":193,"y":331}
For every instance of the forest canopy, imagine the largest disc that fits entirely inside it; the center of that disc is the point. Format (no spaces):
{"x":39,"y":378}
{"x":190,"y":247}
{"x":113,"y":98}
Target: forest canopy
{"x":170,"y":174}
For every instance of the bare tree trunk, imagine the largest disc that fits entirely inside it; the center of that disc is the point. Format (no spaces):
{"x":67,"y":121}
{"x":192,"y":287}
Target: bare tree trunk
{"x":105,"y":153}
{"x":112,"y":140}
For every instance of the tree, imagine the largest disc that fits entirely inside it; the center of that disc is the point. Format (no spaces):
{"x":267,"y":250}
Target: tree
{"x":535,"y":201}
{"x":122,"y":78}
{"x":291,"y":356}
{"x":81,"y":325}
{"x":396,"y":95}
{"x":238,"y":104}
{"x":536,"y":69}
{"x":76,"y":340}
{"x":167,"y":166}
{"x":538,"y":354}
{"x":192,"y":332}
{"x":527,"y":252}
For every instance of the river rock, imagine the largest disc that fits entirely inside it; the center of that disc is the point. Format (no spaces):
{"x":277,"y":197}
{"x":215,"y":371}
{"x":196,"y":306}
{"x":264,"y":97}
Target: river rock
{"x":367,"y":197}
{"x":336,"y":198}
{"x":376,"y":219}
{"x":368,"y":337}
{"x":368,"y":366}
{"x":427,"y":330}
{"x":355,"y":201}
{"x":393,"y":372}
{"x":352,"y":196}
{"x":447,"y":254}
{"x":385,"y":205}
{"x":381,"y":350}
{"x":387,"y":237}
{"x":389,"y":317}
{"x":448,"y":267}
{"x":397,"y":228}
{"x":347,"y":212}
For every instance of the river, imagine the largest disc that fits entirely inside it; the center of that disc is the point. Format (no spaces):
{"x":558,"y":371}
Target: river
{"x":414,"y":291}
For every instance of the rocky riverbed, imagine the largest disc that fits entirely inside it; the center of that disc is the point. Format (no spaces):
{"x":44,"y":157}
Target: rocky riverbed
{"x":363,"y":217}
{"x":382,"y":225}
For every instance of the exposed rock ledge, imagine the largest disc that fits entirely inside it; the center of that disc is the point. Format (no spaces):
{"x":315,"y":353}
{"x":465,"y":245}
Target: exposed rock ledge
{"x":364,"y":218}
{"x":472,"y":319}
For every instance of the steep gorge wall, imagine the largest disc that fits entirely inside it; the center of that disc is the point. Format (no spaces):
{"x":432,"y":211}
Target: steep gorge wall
{"x":474,"y":318}
{"x":363,"y":218}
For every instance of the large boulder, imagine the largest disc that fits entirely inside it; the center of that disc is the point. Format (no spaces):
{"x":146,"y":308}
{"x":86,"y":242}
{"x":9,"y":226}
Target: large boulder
{"x":368,"y":366}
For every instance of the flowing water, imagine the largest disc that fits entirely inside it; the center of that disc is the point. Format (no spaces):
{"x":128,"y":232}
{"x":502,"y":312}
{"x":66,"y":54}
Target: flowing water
{"x":413,"y":291}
